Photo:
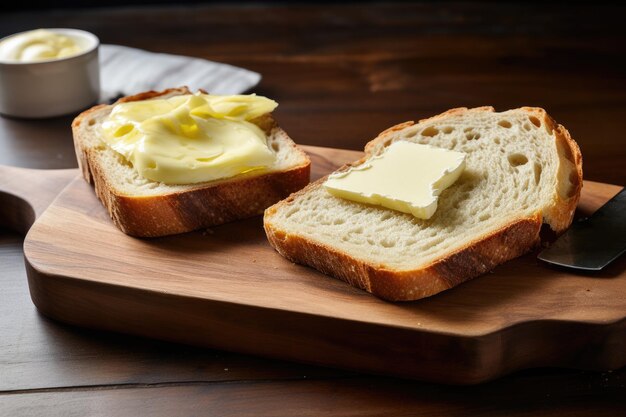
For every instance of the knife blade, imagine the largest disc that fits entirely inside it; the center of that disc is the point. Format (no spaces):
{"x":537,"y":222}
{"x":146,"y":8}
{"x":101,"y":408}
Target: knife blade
{"x":592,"y":243}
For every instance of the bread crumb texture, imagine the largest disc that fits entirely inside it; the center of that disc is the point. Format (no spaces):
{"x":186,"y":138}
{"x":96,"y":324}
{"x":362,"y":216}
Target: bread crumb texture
{"x":519,"y":165}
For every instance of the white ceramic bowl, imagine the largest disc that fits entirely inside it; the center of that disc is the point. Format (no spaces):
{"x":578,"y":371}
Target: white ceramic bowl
{"x":54,"y":87}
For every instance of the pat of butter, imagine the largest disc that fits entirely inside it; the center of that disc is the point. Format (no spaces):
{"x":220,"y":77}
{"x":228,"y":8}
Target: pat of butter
{"x":407,"y":177}
{"x":191,"y":138}
{"x":38,"y":45}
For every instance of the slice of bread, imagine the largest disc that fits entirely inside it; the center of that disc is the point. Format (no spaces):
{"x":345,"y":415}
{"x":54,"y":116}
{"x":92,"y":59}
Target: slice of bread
{"x":522,"y":170}
{"x":141,"y":207}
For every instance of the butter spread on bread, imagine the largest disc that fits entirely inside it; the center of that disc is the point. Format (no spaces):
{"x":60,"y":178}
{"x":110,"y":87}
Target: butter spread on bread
{"x":522,"y":170}
{"x":143,"y":207}
{"x":406,"y":176}
{"x":191,"y":138}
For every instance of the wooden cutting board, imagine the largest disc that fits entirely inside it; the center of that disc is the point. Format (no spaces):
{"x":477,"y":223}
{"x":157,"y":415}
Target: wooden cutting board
{"x":226,"y":288}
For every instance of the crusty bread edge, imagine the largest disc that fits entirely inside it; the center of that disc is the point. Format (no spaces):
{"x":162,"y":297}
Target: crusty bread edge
{"x":205,"y":205}
{"x":473,"y":259}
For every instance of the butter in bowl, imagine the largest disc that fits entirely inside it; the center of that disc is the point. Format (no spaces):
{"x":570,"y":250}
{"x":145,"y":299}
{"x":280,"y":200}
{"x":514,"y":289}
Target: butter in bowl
{"x":48,"y":72}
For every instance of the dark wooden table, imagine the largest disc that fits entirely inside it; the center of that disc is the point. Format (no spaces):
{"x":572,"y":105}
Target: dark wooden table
{"x":341,"y":74}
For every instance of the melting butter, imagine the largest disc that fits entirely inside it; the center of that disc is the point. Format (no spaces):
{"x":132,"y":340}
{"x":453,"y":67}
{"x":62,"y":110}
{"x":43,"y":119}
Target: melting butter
{"x":191,"y":138}
{"x":406,"y":177}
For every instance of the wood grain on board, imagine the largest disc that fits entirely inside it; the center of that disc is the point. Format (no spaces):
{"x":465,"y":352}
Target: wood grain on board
{"x":341,"y":74}
{"x":226,"y":288}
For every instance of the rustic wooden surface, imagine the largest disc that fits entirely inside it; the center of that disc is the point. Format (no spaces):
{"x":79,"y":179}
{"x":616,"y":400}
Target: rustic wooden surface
{"x":82,"y":270}
{"x":341,"y":74}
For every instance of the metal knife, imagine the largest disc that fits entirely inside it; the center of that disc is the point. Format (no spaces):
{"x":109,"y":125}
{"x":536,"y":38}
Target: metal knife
{"x":592,"y":243}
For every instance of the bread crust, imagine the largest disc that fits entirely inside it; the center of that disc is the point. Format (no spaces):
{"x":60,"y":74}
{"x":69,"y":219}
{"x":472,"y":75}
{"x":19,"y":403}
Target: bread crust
{"x":200,"y":206}
{"x":569,"y":175}
{"x":473,"y":259}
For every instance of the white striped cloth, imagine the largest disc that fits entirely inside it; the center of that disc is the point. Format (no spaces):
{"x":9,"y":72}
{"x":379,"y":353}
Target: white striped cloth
{"x":125,"y":71}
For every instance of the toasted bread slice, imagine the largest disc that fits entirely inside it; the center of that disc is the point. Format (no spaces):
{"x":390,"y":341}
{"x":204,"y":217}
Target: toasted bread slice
{"x":141,"y":207}
{"x":522,"y":170}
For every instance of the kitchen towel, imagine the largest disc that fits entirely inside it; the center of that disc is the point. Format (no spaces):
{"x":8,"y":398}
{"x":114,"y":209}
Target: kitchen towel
{"x":126,"y":71}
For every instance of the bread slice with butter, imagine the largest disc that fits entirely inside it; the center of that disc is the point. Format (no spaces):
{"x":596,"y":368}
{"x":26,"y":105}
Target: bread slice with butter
{"x":146,"y":208}
{"x":522,"y":170}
